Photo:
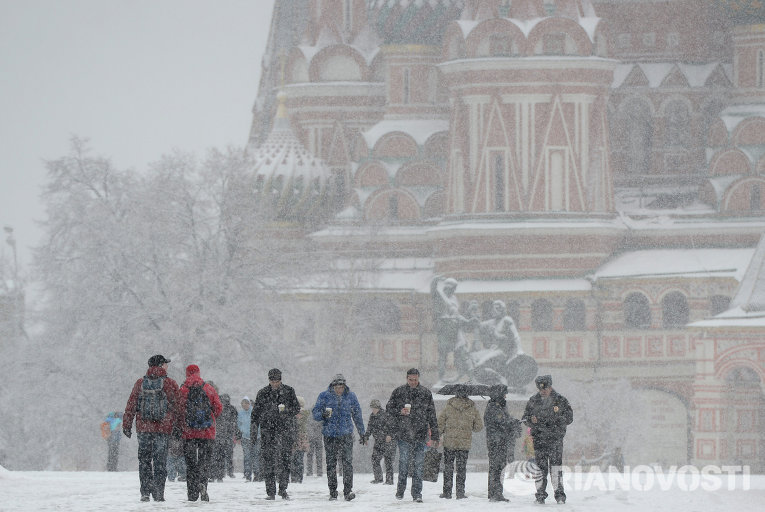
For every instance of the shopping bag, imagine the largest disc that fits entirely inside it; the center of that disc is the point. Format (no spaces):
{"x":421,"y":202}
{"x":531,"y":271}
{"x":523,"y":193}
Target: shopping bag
{"x":431,"y":466}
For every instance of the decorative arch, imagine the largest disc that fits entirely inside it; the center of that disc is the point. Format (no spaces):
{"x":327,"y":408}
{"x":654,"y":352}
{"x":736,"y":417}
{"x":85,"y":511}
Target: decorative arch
{"x":635,"y":134}
{"x":418,"y":173}
{"x":338,"y":63}
{"x":372,"y":174}
{"x":575,"y":40}
{"x":745,"y":195}
{"x":495,"y":37}
{"x":674,"y":310}
{"x":395,"y":144}
{"x":391,"y":204}
{"x":434,"y":205}
{"x":738,"y":357}
{"x":730,"y":162}
{"x":637,"y":311}
{"x":750,"y":131}
{"x":437,"y":146}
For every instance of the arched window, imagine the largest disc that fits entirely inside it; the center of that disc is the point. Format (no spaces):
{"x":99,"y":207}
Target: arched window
{"x":718,"y":304}
{"x":514,"y":310}
{"x":674,"y":310}
{"x":377,"y":315}
{"x":574,"y":315}
{"x":639,"y":128}
{"x":637,"y":311}
{"x":541,"y":315}
{"x":677,"y":122}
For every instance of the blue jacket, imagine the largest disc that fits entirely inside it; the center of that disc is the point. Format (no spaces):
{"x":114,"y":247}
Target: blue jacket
{"x":346,"y":412}
{"x":243,"y":419}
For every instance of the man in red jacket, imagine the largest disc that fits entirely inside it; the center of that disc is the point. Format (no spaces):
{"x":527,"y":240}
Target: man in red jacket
{"x":153,"y":403}
{"x":199,"y":406}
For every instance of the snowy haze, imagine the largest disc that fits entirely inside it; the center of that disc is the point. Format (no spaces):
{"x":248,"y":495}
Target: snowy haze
{"x":99,"y":491}
{"x":137,"y":78}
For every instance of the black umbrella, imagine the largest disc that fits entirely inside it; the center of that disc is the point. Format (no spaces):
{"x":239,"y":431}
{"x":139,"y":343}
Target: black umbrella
{"x":465,"y":389}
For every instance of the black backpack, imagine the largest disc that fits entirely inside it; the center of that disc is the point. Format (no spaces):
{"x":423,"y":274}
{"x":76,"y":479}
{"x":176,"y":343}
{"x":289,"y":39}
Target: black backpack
{"x":198,"y":408}
{"x":152,"y":401}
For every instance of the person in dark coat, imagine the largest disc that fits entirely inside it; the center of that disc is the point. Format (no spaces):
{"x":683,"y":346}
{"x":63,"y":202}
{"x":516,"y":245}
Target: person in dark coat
{"x":274,"y":412}
{"x":153,"y":435}
{"x":501,"y":432}
{"x":225,"y":431}
{"x":198,"y":442}
{"x":380,"y":426}
{"x":548,"y":413}
{"x":339,"y":410}
{"x":413,"y":413}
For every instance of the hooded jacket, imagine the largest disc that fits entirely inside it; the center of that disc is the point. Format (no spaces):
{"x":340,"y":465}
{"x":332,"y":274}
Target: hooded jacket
{"x":194,"y":379}
{"x":346,"y":412}
{"x":170,"y":387}
{"x":457,"y":422}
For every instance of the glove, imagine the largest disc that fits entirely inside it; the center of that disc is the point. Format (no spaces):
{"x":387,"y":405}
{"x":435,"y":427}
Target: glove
{"x":127,"y":432}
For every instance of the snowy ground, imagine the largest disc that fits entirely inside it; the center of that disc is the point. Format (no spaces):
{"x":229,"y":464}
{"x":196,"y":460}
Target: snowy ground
{"x":99,"y":491}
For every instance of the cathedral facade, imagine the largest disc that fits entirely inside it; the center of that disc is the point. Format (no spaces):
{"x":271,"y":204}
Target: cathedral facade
{"x":598,"y":165}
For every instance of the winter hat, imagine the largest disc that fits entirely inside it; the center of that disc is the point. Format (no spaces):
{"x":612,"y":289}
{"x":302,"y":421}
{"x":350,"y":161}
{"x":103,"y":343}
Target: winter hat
{"x":274,"y":374}
{"x":543,"y":381}
{"x":375,"y":404}
{"x":247,"y":398}
{"x":339,"y":379}
{"x":191,"y":370}
{"x":158,"y":360}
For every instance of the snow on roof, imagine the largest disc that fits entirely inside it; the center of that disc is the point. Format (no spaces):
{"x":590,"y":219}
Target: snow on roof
{"x":419,"y":129}
{"x":678,"y":262}
{"x":523,"y":285}
{"x":750,"y":295}
{"x":721,"y":183}
{"x":656,"y":72}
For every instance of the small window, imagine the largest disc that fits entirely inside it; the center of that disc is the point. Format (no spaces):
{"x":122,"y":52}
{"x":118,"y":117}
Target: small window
{"x":393,"y":207}
{"x":637,"y":311}
{"x":499,"y":183}
{"x":674,"y":309}
{"x":755,"y":198}
{"x":514,"y":311}
{"x":624,"y":41}
{"x":542,"y":315}
{"x":673,"y":40}
{"x":649,"y":39}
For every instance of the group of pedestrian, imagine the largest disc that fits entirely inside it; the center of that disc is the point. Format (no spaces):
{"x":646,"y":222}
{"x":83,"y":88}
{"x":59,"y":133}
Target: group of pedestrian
{"x":194,"y":411}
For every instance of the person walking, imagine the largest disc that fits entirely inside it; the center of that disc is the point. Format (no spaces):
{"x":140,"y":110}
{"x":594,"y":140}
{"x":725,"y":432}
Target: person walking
{"x":379,"y":425}
{"x":153,"y":403}
{"x":339,"y":410}
{"x":301,"y":443}
{"x":225,"y":431}
{"x":315,"y":446}
{"x":457,"y":422}
{"x":548,"y":413}
{"x":501,"y":432}
{"x":274,"y":412}
{"x":243,"y":419}
{"x":413,"y":413}
{"x":200,"y":406}
{"x":111,"y":430}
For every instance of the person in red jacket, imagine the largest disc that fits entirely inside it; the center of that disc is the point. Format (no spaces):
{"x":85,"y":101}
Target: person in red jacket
{"x":153,"y":403}
{"x":198,"y":413}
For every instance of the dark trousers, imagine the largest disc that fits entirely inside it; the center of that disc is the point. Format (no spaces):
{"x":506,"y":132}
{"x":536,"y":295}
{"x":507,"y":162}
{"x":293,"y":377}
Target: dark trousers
{"x":223,"y":458}
{"x":316,"y":449}
{"x":339,"y":448}
{"x":452,"y":458}
{"x":497,"y":462}
{"x":114,"y":452}
{"x":382,"y":450}
{"x":276,"y":451}
{"x":152,"y":463}
{"x":549,"y":456}
{"x":198,"y":455}
{"x":247,"y":449}
{"x":413,"y":452}
{"x":298,"y":466}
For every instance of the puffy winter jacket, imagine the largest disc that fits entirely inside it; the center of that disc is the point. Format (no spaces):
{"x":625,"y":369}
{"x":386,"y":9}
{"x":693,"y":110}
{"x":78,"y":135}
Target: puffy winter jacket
{"x":457,"y":422}
{"x":421,"y":418}
{"x":346,"y":412}
{"x":170,"y":387}
{"x":194,"y":379}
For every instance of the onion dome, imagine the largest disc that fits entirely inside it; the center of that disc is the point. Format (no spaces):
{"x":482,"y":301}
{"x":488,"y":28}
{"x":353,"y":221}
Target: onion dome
{"x":413,"y":21}
{"x":290,"y":180}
